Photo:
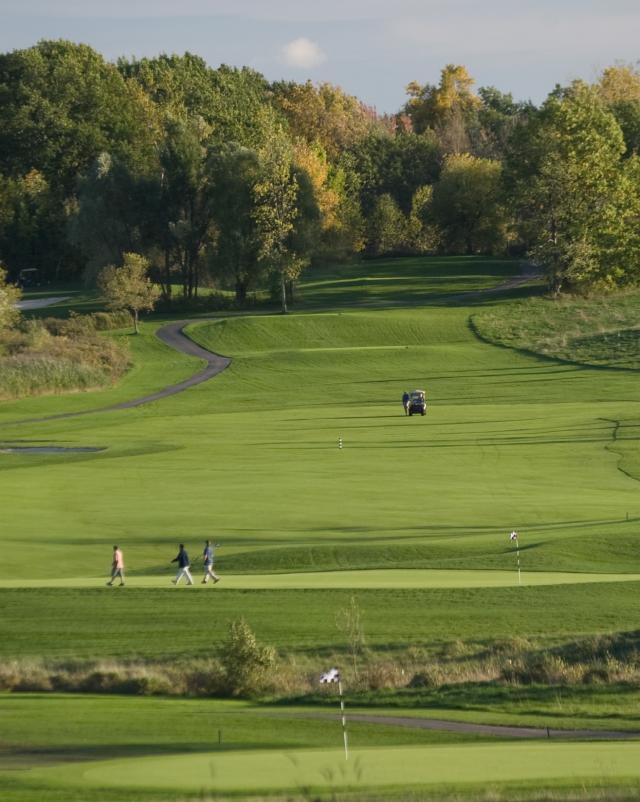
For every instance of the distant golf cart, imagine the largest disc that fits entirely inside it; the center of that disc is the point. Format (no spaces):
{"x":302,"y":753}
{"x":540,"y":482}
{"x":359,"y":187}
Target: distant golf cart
{"x":29,"y":277}
{"x":417,"y":403}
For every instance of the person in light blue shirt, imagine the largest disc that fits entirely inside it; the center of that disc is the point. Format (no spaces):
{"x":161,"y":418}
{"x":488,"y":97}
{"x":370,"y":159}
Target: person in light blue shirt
{"x":208,"y":559}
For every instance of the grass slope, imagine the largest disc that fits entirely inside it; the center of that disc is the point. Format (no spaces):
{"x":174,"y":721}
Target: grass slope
{"x":164,"y":623}
{"x":251,"y":458}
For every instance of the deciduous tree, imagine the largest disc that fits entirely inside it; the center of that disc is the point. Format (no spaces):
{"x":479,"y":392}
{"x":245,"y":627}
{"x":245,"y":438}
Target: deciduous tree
{"x":129,"y":286}
{"x":467,"y":205}
{"x":576,"y":195}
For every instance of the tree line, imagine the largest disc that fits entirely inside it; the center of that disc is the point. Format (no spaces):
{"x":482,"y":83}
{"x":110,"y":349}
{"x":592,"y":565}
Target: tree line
{"x":219,"y":177}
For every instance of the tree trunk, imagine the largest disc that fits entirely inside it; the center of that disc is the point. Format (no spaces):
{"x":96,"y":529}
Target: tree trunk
{"x":283,"y":294}
{"x":135,"y":321}
{"x":167,"y":275}
{"x":241,"y":291}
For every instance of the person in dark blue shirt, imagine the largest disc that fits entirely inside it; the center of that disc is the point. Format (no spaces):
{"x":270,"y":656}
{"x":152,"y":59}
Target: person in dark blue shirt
{"x":183,"y":562}
{"x":405,"y":402}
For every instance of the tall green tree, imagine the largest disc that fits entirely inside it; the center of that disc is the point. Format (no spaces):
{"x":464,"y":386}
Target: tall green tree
{"x":229,"y":100}
{"x":276,"y":210}
{"x":395,"y":165}
{"x":234,"y":172}
{"x":576,"y":196}
{"x":61,"y":105}
{"x":111,"y":213}
{"x":186,"y":194}
{"x":467,"y":205}
{"x":388,"y":232}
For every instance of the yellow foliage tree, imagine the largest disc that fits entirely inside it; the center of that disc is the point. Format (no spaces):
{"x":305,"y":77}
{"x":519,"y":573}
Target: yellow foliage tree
{"x":619,"y":84}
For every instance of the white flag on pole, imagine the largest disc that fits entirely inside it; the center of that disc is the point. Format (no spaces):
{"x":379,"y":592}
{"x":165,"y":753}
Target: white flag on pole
{"x":332,"y":675}
{"x":513,"y":536}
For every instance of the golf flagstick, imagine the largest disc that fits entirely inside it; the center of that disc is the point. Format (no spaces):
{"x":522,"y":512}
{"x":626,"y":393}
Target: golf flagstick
{"x":344,"y":722}
{"x":333,"y":675}
{"x":514,"y":537}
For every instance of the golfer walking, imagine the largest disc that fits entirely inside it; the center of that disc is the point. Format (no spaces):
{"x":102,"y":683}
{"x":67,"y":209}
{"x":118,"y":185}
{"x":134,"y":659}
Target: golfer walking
{"x":183,"y":564}
{"x":117,"y":567}
{"x":405,"y":402}
{"x":208,"y":558}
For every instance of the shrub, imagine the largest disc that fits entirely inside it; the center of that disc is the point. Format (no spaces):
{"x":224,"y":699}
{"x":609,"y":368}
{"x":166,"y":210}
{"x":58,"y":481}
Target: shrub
{"x":247,"y":665}
{"x":427,"y":678}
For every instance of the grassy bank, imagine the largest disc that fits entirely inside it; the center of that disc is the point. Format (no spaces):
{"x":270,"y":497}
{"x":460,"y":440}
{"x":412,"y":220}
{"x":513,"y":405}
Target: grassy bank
{"x":601,"y":331}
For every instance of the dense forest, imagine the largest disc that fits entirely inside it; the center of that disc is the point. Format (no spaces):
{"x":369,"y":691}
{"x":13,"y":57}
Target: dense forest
{"x":220,"y":178}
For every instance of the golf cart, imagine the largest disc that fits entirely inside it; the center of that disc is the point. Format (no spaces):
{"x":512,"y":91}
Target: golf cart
{"x":28,"y":277}
{"x":417,"y":403}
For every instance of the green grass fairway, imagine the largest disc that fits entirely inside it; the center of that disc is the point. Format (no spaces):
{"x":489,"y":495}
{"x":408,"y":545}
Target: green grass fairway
{"x":251,"y":459}
{"x":271,"y":770}
{"x":412,"y":517}
{"x":326,"y":580}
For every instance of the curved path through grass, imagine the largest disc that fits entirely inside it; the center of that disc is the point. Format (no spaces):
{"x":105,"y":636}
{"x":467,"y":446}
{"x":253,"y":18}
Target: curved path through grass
{"x":172,"y":335}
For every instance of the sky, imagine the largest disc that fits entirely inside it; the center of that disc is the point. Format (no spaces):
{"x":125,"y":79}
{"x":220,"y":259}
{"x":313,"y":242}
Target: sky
{"x":372,"y":48}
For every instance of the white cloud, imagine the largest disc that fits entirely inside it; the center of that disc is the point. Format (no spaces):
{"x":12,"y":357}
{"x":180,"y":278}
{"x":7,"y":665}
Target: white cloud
{"x":303,"y":52}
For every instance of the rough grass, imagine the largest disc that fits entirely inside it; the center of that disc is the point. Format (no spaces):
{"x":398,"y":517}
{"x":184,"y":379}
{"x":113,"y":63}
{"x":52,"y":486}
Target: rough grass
{"x":602,"y":331}
{"x":605,"y":660}
{"x":57,"y":357}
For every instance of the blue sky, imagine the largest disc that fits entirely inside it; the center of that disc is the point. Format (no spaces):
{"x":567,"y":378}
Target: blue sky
{"x":369,"y":47}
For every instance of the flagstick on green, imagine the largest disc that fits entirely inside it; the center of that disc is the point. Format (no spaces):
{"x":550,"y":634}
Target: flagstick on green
{"x":514,"y":537}
{"x":344,"y":722}
{"x":331,"y":676}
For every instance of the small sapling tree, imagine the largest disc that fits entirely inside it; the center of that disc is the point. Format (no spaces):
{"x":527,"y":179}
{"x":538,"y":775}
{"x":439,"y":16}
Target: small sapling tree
{"x":349,"y":622}
{"x":247,"y":664}
{"x":129,"y":287}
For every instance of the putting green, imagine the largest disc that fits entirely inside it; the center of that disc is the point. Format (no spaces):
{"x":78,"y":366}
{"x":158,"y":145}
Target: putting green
{"x":346,"y":580}
{"x":269,"y":770}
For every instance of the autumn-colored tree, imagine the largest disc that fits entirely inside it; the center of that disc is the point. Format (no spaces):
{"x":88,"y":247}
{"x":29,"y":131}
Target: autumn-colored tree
{"x":619,"y":88}
{"x":619,"y":83}
{"x":129,"y":286}
{"x":312,"y":159}
{"x":446,"y":109}
{"x":324,"y":114}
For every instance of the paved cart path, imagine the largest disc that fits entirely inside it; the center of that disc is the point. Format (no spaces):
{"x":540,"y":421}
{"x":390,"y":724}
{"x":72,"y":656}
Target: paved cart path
{"x":172,"y":335}
{"x":498,"y":730}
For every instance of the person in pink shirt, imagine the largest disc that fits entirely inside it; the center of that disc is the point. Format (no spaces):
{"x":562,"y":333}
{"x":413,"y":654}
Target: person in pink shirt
{"x":117,"y":566}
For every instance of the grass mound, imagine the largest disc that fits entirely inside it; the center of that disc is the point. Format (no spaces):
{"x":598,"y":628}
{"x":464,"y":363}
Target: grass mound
{"x":591,"y":331}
